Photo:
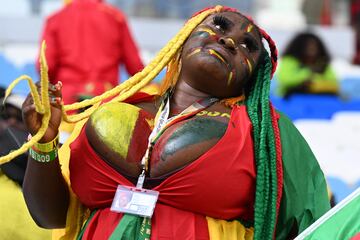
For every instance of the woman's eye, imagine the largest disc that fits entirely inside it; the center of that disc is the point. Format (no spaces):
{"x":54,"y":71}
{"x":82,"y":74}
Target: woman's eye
{"x":244,"y":46}
{"x":249,"y":45}
{"x":221,"y":23}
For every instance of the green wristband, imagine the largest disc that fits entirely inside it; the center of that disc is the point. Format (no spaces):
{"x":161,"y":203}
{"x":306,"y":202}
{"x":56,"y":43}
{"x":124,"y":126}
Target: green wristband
{"x":43,"y":157}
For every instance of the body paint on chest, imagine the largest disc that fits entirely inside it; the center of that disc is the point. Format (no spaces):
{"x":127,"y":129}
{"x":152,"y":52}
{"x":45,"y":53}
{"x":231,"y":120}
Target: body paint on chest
{"x":189,"y":134}
{"x":213,"y":114}
{"x":123,"y":128}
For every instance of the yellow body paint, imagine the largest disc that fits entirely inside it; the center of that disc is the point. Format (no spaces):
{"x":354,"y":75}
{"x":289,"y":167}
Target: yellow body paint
{"x":202,"y":113}
{"x":249,"y":65}
{"x":150,"y":122}
{"x":213,"y":114}
{"x":213,"y":52}
{"x":114,"y":124}
{"x":225,"y":115}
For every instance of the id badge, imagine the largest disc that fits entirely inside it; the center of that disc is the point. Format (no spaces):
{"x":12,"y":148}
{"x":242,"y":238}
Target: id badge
{"x":134,"y":200}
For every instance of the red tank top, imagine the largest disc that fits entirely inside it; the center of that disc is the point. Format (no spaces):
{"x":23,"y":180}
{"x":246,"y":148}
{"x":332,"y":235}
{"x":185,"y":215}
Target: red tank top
{"x":219,"y":184}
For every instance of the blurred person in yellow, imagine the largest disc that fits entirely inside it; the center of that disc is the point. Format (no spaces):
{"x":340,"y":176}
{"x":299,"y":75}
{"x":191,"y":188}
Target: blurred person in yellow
{"x":305,"y":68}
{"x":16,"y":222}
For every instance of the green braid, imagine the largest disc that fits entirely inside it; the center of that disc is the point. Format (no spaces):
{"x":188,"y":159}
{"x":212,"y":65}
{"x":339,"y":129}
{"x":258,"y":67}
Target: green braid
{"x":258,"y":108}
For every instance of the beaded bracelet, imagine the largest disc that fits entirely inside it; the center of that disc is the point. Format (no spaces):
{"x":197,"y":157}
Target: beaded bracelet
{"x":47,"y":147}
{"x":43,"y":157}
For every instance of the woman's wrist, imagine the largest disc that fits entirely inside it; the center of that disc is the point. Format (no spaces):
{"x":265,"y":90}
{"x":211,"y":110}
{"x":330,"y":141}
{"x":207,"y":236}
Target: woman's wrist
{"x":44,"y":151}
{"x":49,"y":137}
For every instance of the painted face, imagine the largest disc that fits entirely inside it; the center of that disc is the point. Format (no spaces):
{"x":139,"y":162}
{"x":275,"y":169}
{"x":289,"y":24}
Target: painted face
{"x":221,"y":53}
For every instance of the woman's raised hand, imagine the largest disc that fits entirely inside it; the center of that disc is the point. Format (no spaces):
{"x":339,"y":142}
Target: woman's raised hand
{"x":33,"y":119}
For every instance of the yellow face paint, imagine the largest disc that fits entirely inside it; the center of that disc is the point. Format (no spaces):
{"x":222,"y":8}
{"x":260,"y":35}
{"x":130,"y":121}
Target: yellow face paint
{"x":208,"y":30}
{"x":194,"y":52}
{"x":232,"y":41}
{"x":213,"y":52}
{"x":230,"y":78}
{"x":249,"y":65}
{"x":249,"y":28}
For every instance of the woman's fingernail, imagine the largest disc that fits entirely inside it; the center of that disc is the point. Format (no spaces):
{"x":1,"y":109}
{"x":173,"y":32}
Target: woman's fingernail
{"x":59,"y":85}
{"x":56,"y":100}
{"x":52,"y":87}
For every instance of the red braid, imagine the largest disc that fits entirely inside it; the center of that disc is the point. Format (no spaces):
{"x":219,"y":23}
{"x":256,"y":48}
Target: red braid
{"x":273,"y":50}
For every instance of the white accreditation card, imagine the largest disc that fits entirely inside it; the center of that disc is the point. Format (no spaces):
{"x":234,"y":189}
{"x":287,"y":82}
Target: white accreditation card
{"x":134,"y":200}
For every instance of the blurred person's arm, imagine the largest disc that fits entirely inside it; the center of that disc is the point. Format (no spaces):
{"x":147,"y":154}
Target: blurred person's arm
{"x":325,"y":82}
{"x":290,"y":74}
{"x":130,"y":55}
{"x":49,"y":35}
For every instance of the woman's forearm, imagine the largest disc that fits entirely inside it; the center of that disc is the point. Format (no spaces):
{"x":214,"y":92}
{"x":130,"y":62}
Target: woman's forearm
{"x":46,"y":193}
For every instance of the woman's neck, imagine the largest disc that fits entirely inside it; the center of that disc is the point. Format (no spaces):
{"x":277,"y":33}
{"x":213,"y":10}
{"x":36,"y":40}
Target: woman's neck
{"x":184,"y":95}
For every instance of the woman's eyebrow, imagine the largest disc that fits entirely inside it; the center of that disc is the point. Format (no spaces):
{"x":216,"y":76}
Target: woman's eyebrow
{"x":228,"y":21}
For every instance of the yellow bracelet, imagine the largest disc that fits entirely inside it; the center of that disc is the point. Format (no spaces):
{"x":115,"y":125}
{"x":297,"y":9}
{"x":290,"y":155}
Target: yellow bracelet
{"x":43,"y":157}
{"x":49,"y":146}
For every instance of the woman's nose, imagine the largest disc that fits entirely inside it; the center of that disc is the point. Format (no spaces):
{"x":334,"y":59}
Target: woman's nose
{"x":228,"y":42}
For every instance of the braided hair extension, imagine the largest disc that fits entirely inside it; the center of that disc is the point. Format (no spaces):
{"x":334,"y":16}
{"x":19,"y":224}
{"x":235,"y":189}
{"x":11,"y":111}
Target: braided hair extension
{"x":266,"y":149}
{"x":258,"y":108}
{"x":120,"y":92}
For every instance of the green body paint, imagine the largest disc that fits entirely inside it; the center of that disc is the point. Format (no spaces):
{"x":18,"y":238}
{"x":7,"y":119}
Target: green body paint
{"x":193,"y":132}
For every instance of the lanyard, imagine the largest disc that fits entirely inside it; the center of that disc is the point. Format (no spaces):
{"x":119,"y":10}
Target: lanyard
{"x":162,"y":122}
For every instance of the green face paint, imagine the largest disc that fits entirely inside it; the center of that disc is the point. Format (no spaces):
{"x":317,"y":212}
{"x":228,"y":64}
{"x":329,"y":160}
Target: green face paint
{"x":201,"y":34}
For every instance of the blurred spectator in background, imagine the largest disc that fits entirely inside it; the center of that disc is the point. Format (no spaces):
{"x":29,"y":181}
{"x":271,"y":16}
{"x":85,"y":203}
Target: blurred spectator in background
{"x":17,"y":222}
{"x":305,"y":67}
{"x":35,"y":6}
{"x":86,"y":42}
{"x":318,"y":12}
{"x":355,"y":23}
{"x":2,"y":92}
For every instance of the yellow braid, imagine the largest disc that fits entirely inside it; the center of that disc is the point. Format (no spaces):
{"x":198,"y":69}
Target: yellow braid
{"x":124,"y":90}
{"x":142,"y":78}
{"x":42,"y":106}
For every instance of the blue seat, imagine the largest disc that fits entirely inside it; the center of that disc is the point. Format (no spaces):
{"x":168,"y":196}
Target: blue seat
{"x":301,"y":106}
{"x":8,"y":72}
{"x":124,"y":75}
{"x":30,"y":70}
{"x":340,"y":189}
{"x":350,"y":87}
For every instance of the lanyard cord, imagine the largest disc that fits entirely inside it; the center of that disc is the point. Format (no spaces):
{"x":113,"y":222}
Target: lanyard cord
{"x":162,"y":122}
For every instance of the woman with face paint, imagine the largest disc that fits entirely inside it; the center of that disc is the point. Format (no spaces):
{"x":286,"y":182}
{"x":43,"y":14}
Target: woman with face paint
{"x":206,"y":158}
